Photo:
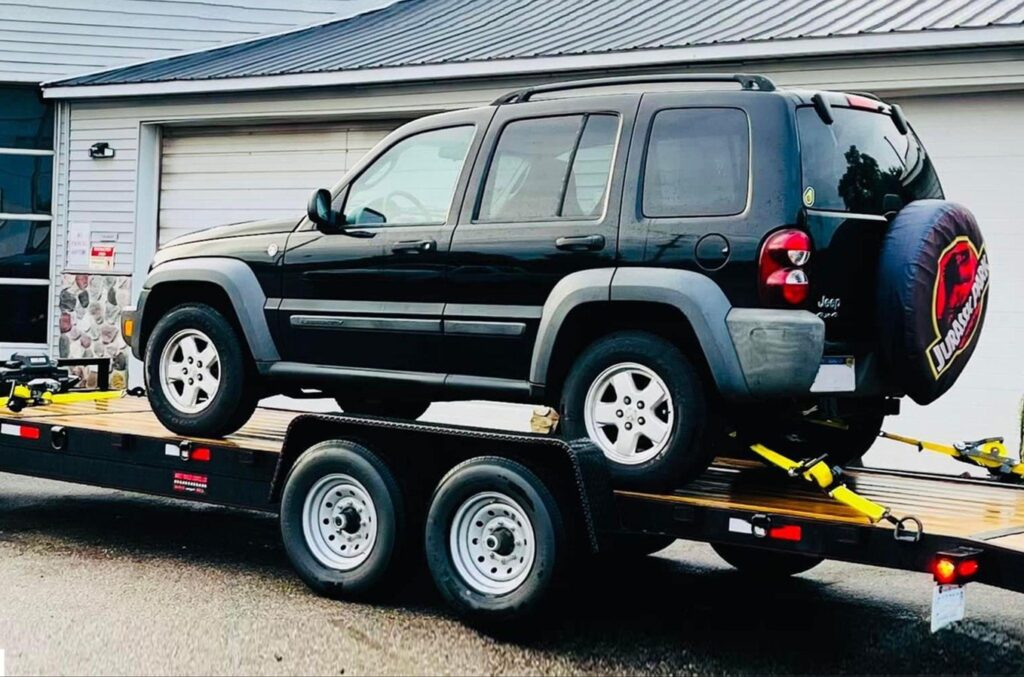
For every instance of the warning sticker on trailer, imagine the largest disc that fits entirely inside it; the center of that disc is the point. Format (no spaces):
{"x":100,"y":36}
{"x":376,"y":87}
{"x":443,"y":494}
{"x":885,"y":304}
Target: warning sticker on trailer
{"x":190,"y":483}
{"x":948,"y":605}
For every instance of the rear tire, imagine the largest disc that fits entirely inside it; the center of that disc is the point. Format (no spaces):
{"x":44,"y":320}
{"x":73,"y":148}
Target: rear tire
{"x":353,"y":554}
{"x":192,"y":397}
{"x":495,"y":542}
{"x":651,"y":433}
{"x":384,"y":407}
{"x":765,"y":564}
{"x":844,"y":446}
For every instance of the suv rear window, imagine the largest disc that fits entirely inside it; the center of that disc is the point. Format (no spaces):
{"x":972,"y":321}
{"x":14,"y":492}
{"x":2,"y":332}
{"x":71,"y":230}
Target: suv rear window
{"x":698,"y":163}
{"x":853,"y":163}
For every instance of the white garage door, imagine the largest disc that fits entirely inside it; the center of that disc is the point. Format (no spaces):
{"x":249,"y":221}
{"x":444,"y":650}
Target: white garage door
{"x":216,"y":175}
{"x":975,"y":142}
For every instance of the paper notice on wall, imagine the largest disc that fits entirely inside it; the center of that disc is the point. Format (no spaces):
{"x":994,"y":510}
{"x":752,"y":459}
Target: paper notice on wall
{"x":101,"y":257}
{"x":79,"y":241}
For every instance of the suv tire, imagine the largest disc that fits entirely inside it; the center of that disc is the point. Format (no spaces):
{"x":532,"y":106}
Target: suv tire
{"x":604,"y":399}
{"x":188,"y":396}
{"x":405,"y":409}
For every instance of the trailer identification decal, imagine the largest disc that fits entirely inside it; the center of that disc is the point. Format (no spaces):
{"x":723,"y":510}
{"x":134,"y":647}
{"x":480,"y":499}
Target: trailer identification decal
{"x":190,"y":483}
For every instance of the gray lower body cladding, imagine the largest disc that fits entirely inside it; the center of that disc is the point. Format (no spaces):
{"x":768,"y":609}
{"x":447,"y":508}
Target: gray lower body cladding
{"x":779,"y":351}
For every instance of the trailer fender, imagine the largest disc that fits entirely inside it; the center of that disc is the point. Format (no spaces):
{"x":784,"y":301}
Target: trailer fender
{"x":404,"y":444}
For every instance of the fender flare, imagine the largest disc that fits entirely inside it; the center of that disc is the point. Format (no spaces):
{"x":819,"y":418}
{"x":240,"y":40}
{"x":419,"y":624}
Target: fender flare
{"x":238,"y":281}
{"x":696,"y":296}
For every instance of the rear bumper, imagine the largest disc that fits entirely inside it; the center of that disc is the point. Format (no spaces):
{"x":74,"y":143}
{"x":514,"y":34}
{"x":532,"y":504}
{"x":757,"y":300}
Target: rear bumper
{"x":779,"y":351}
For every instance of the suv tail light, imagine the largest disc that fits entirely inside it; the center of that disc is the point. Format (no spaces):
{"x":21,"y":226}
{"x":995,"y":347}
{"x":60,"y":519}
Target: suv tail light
{"x":782,"y":280}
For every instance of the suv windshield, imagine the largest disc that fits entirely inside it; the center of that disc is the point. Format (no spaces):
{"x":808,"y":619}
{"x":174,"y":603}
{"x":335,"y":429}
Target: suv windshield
{"x":853,"y":163}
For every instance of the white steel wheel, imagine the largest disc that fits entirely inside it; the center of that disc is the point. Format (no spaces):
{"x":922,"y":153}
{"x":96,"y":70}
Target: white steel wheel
{"x":492,"y":543}
{"x":339,"y":522}
{"x":629,"y":413}
{"x":190,"y":371}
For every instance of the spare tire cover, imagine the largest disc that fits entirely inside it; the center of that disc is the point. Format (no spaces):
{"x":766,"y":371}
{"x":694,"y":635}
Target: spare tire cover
{"x":933,"y":279}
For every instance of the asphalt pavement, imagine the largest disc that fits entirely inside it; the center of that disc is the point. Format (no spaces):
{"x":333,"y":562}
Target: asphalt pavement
{"x":94,"y":581}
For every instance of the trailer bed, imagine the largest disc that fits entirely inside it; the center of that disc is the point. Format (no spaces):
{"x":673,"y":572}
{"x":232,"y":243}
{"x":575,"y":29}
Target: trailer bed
{"x":119,"y":443}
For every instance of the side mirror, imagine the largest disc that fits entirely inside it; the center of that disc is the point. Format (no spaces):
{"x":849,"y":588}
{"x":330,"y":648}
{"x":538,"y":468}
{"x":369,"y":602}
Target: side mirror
{"x":319,"y":210}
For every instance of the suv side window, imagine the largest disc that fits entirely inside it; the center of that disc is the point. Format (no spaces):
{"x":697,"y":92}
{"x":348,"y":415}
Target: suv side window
{"x":697,"y":163}
{"x":550,"y":168}
{"x":412,"y":183}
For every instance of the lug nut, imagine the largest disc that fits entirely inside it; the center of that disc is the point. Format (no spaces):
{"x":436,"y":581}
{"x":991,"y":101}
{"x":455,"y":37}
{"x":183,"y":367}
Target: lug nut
{"x":640,"y":404}
{"x":626,"y":400}
{"x":641,"y":420}
{"x":629,"y":426}
{"x":619,"y":413}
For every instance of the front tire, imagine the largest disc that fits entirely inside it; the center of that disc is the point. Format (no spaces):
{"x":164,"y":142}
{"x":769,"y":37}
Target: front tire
{"x":198,"y":373}
{"x":343,"y":520}
{"x":640,"y":400}
{"x":495,"y":541}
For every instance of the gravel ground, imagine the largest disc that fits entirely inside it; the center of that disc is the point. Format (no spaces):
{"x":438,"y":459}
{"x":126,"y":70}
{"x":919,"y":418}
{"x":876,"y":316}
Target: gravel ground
{"x":103,"y":582}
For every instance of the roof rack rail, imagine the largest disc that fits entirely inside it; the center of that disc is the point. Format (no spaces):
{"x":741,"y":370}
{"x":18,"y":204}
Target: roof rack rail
{"x":749,"y":82}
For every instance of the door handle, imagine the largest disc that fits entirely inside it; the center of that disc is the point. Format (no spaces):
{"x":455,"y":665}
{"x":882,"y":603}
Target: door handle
{"x":414,"y":247}
{"x":580,"y":243}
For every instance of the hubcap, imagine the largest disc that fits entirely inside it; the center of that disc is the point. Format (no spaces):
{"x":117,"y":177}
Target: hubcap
{"x":339,"y":522}
{"x":492,"y":543}
{"x":629,"y":414}
{"x":190,"y":371}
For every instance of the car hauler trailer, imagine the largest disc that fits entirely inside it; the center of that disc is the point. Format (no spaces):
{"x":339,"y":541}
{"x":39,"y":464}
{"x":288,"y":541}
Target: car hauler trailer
{"x":499,"y":514}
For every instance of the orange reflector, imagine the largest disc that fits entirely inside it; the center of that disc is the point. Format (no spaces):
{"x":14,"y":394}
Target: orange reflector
{"x":201,"y":454}
{"x":790,"y":532}
{"x":944,"y":570}
{"x":127,"y":328}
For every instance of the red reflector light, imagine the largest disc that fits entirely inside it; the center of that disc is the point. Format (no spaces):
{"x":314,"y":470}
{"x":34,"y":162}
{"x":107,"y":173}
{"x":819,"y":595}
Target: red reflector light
{"x":865,"y":102}
{"x":790,"y":532}
{"x":967,"y":568}
{"x":30,"y":433}
{"x":23,"y":431}
{"x":201,"y":454}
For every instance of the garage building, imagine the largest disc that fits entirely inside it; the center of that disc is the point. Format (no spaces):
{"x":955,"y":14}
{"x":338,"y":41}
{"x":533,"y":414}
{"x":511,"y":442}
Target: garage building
{"x":247,"y":131}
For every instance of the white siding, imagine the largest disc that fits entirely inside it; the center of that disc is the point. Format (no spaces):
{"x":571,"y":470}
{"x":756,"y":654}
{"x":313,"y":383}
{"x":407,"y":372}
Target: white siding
{"x":44,"y":41}
{"x":215,"y":175}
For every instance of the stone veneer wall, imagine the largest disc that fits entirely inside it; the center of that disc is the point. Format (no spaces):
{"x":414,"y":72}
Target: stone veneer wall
{"x":90,"y":322}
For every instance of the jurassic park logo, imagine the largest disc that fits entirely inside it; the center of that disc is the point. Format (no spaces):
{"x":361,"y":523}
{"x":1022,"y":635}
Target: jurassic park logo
{"x":958,"y":302}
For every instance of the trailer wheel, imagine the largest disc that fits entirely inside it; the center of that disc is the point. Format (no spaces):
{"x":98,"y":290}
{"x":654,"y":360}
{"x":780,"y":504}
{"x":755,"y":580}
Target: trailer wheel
{"x":495,"y":540}
{"x":765,"y":563}
{"x":342,"y":519}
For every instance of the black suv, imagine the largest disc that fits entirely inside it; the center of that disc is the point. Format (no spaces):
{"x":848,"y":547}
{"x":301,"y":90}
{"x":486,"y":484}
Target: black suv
{"x":668,"y":268}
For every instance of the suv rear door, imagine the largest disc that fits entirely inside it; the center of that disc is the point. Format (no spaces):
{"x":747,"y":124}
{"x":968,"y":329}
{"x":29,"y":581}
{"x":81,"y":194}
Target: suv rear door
{"x":543,"y":202}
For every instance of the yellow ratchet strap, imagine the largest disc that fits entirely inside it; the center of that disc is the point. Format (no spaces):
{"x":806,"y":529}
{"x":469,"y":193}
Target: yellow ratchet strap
{"x":818,"y":472}
{"x":24,"y":394}
{"x":990,"y":453}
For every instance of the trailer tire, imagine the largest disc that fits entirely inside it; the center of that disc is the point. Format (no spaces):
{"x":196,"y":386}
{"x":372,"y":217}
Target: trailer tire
{"x":495,"y":542}
{"x":628,"y":546}
{"x":765,"y":564}
{"x":350,"y":486}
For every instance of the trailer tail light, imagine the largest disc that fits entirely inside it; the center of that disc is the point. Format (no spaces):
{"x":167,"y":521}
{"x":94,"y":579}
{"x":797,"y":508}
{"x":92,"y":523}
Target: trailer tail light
{"x":25,"y":432}
{"x":954,"y":568}
{"x":790,"y":532}
{"x":201,"y":454}
{"x":781,"y":275}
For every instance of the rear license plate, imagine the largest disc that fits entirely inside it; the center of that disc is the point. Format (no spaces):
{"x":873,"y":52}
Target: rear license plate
{"x":948,"y":605}
{"x":837,"y":374}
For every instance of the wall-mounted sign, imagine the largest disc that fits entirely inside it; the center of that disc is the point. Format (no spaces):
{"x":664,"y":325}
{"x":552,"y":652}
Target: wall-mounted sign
{"x":101,"y":257}
{"x":79,"y":241}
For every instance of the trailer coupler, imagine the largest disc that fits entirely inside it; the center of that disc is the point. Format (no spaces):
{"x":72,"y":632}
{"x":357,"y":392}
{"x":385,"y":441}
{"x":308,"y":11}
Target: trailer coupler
{"x":832,"y":482}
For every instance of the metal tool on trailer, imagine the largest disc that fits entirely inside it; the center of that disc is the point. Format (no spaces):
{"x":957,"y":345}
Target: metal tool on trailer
{"x":499,"y":514}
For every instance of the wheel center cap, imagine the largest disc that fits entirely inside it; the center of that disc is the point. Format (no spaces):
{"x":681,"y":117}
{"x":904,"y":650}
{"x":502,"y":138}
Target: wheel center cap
{"x":348,"y":520}
{"x":501,"y":542}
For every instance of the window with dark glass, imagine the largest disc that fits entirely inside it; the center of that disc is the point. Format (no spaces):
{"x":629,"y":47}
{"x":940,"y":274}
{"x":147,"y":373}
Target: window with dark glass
{"x":698,"y":163}
{"x":26,"y":178}
{"x":861,"y":157}
{"x":549,"y":168}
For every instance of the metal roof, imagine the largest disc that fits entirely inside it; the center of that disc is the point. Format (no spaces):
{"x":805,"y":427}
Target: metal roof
{"x":423,"y":32}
